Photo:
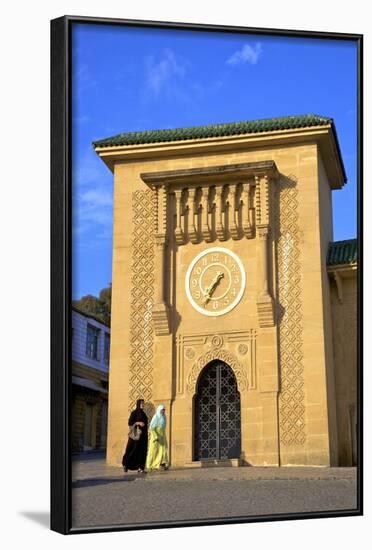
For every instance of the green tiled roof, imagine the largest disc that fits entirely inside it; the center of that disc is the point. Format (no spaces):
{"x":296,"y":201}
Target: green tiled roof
{"x":342,"y":252}
{"x":215,"y":130}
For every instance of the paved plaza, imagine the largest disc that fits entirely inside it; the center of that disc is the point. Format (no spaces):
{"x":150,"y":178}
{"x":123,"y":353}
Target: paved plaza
{"x":104,"y":495}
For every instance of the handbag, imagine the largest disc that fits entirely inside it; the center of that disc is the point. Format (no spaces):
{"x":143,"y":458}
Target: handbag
{"x":134,"y":432}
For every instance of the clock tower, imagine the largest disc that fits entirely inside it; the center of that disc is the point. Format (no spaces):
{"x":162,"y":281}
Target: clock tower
{"x":220,"y":296}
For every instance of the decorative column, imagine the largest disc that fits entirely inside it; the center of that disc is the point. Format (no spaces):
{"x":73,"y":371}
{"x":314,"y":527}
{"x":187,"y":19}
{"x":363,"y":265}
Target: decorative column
{"x":160,"y":311}
{"x":231,"y":196}
{"x":160,"y":242}
{"x":192,"y":208}
{"x":263,"y":237}
{"x":265,"y":303}
{"x":220,"y":229}
{"x":267,"y":352}
{"x":247,"y":212}
{"x":233,"y":228}
{"x":205,"y":207}
{"x":179,"y":235}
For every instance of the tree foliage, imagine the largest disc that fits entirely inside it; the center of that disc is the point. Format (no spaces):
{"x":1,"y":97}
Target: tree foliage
{"x":97,"y":307}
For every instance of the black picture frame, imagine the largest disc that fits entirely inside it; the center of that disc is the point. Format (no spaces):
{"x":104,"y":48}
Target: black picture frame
{"x":61,"y":492}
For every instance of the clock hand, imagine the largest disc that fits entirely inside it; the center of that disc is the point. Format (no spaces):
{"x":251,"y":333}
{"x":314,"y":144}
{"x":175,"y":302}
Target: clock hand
{"x":209,"y":291}
{"x":212,"y":286}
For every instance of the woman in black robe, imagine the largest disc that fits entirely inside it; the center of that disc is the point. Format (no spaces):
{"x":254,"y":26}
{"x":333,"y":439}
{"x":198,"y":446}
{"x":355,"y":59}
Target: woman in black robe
{"x":135,"y":453}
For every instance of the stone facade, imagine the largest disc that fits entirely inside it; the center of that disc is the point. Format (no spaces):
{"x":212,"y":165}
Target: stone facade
{"x":265,"y":199}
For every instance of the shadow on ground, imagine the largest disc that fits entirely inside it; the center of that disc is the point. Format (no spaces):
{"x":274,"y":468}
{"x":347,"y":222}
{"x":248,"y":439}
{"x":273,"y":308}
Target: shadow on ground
{"x":42,"y":518}
{"x":95,"y":481}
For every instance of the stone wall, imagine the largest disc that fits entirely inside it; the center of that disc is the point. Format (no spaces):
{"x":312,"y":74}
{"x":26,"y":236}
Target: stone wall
{"x":344,"y":323}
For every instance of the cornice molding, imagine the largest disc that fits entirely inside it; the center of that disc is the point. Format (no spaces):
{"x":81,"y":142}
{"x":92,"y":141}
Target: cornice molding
{"x":211,"y":174}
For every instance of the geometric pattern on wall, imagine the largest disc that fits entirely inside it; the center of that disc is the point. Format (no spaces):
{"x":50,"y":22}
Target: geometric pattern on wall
{"x":142,"y":298}
{"x":291,"y":397}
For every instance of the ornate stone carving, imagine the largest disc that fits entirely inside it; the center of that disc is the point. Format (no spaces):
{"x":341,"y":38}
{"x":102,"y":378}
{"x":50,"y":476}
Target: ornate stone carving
{"x":232,"y":200}
{"x":257,"y":200}
{"x":206,"y":230}
{"x":242,"y":349}
{"x":291,"y":397}
{"x":265,"y":302}
{"x":190,"y":353}
{"x":262,"y":200}
{"x":160,"y":313}
{"x":201,"y":344}
{"x":223,"y":201}
{"x":161,"y":240}
{"x":163,"y":210}
{"x":142,"y":298}
{"x":183,"y":343}
{"x":209,"y":356}
{"x":220,"y":207}
{"x":193,"y":206}
{"x":217,"y":341}
{"x":247,"y":211}
{"x":263,"y":231}
{"x":178,"y":232}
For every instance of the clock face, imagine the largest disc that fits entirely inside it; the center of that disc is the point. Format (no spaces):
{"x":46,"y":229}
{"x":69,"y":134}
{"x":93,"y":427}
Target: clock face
{"x":215,"y":281}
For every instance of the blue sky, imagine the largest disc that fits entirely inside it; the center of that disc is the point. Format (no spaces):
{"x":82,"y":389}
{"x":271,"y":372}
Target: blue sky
{"x":131,"y":79}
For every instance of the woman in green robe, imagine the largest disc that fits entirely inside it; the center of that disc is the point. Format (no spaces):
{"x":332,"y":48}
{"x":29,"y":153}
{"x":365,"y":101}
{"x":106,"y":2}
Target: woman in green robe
{"x":157,"y":456}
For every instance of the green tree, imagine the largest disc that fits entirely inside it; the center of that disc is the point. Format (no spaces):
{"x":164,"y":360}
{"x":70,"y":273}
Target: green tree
{"x":97,"y":307}
{"x":105,"y":299}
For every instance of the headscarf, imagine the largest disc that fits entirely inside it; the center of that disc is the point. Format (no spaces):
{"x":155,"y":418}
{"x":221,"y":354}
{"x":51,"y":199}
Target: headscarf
{"x":140,"y":414}
{"x":158,"y":419}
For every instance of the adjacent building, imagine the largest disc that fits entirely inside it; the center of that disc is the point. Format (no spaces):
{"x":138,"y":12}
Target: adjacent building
{"x":90,"y":369}
{"x":232,"y":305}
{"x":342,"y":271}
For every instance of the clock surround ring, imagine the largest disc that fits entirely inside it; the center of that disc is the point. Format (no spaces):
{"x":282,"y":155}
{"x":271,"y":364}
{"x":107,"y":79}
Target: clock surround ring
{"x":240,"y":292}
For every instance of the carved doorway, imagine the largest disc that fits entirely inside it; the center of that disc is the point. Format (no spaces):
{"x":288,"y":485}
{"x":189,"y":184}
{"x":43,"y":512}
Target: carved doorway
{"x":217,"y":432}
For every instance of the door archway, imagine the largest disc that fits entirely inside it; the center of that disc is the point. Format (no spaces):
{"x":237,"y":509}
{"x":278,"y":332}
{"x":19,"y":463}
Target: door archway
{"x":217,"y":425}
